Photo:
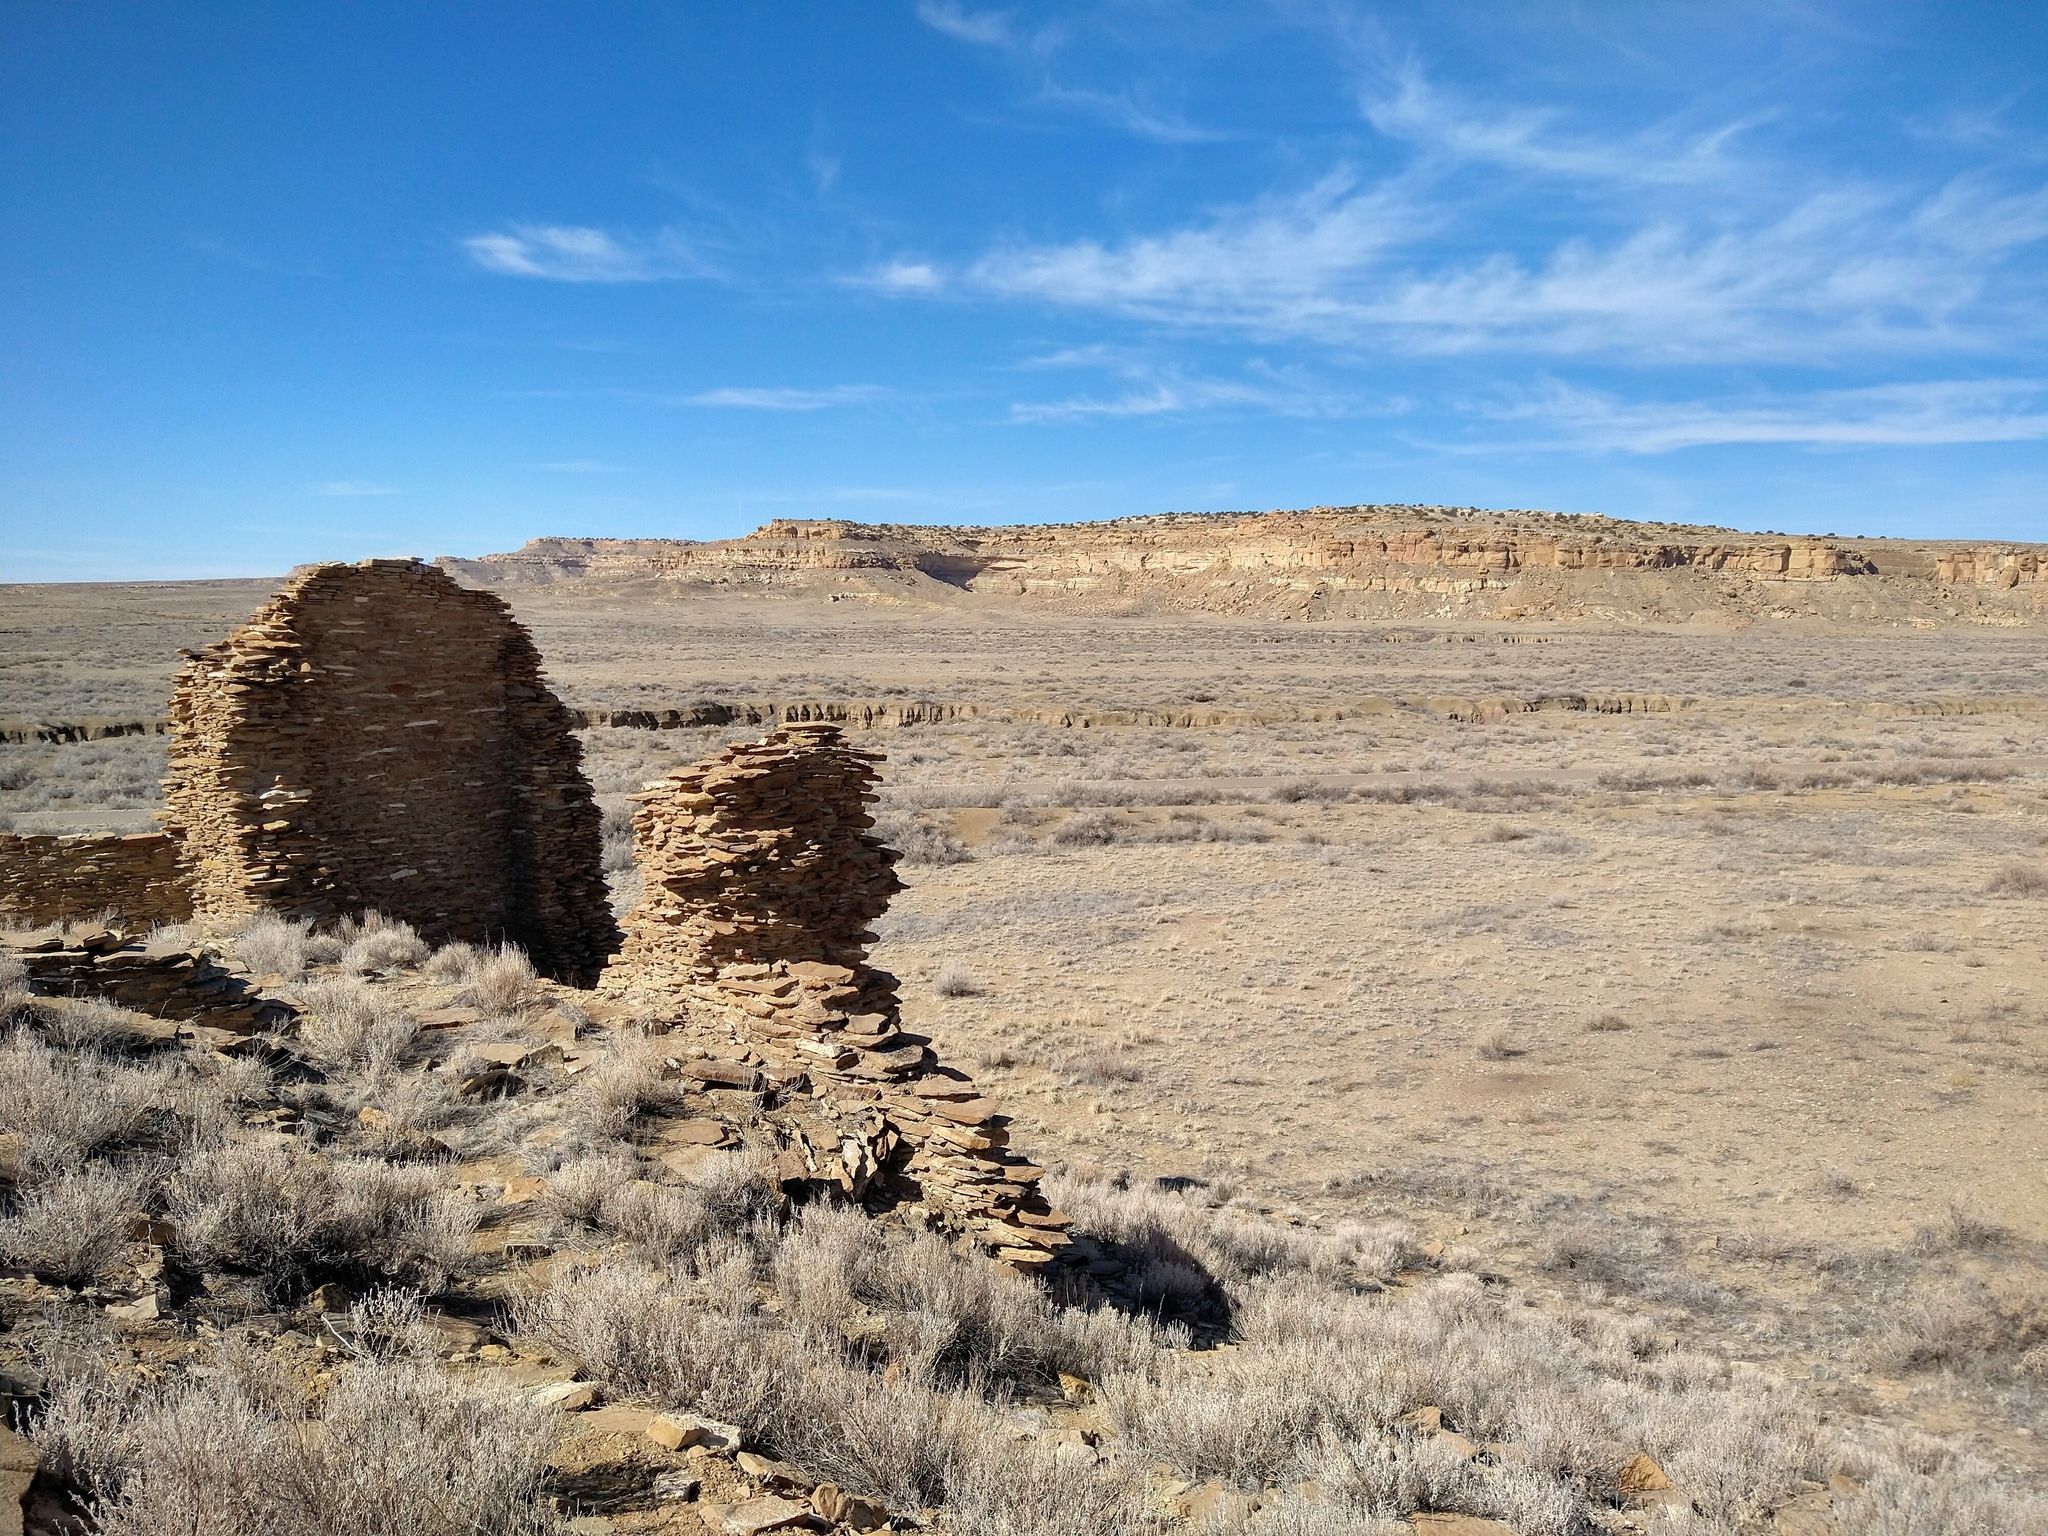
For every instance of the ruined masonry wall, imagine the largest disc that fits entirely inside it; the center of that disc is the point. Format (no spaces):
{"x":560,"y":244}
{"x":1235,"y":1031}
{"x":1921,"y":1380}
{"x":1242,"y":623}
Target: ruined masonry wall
{"x":762,"y":877}
{"x":378,"y":737}
{"x":52,"y":879}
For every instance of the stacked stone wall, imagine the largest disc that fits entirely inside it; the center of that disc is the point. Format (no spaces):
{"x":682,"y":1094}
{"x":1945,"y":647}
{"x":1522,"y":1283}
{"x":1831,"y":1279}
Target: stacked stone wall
{"x":57,"y":879}
{"x":377,"y":737}
{"x":762,"y":876}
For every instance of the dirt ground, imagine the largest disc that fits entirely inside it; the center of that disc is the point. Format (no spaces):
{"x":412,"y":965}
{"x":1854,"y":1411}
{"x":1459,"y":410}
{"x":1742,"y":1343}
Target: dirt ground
{"x":1731,"y":1009}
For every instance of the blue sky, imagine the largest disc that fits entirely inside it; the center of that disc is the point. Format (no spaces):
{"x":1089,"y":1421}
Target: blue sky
{"x":289,"y":282}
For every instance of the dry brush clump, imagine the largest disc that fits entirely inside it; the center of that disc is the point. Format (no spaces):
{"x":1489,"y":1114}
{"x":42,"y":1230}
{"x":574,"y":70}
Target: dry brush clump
{"x":288,"y":1219}
{"x":395,"y":1444}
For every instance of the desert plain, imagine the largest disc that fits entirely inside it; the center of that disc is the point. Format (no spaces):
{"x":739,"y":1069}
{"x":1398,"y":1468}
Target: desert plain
{"x":1680,"y":962}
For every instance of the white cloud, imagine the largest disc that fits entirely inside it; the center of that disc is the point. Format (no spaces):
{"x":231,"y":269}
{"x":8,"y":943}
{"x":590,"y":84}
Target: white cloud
{"x":1282,"y":264}
{"x":1560,"y":416}
{"x":783,"y":399}
{"x":579,"y":254}
{"x":900,"y":276}
{"x":1532,"y":139}
{"x":1849,"y":269}
{"x":1157,"y":391}
{"x":986,"y":29}
{"x":353,"y":488}
{"x":1121,"y":109}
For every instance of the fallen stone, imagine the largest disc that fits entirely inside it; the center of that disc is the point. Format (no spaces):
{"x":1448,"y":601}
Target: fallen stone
{"x":1809,"y":1514}
{"x":677,"y":1487}
{"x":1458,"y":1525}
{"x":613,"y":1419}
{"x":19,"y":1461}
{"x":766,"y":1513}
{"x":1212,"y":1506}
{"x":328,"y":1298}
{"x":680,"y":1431}
{"x":834,"y":1504}
{"x":567,"y":1395}
{"x":146,"y":1308}
{"x":1639,"y":1474}
{"x":767,"y":1469}
{"x":696,"y":1133}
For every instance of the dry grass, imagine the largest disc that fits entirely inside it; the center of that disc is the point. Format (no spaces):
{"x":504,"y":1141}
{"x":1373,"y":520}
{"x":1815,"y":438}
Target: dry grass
{"x":72,"y":1229}
{"x":393,"y":1445}
{"x":2019,"y":880}
{"x":956,"y":979}
{"x":290,"y":1219}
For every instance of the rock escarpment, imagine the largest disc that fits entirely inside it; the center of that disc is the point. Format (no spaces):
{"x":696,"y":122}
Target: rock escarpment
{"x":1327,"y":562}
{"x":762,"y":878}
{"x":378,"y":737}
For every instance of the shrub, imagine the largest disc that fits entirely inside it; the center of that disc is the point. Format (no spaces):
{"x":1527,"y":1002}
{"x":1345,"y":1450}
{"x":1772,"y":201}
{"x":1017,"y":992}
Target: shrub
{"x":397,"y":1445}
{"x":73,"y":1228}
{"x":956,"y":980}
{"x":1091,"y":831}
{"x":452,"y":962}
{"x":919,"y":839}
{"x":620,"y":1086}
{"x":66,"y":1108}
{"x":501,"y":981}
{"x":374,"y":942}
{"x":86,"y":1024}
{"x":352,"y":1024}
{"x":2018,"y":880}
{"x":288,"y":1218}
{"x":269,"y":945}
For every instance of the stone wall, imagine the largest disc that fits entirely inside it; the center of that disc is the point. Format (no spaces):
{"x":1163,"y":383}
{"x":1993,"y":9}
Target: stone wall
{"x":378,"y":737}
{"x":762,"y":877}
{"x":52,"y":879}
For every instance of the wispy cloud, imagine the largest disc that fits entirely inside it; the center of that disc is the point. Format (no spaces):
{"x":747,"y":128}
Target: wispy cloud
{"x":785,"y":399}
{"x":1407,"y":107}
{"x":1153,"y":389}
{"x":353,"y":488}
{"x":987,"y":28}
{"x":1283,"y":264}
{"x":566,"y":253}
{"x":902,"y":275}
{"x":1853,"y":269}
{"x":1126,"y":111}
{"x":1560,"y":416}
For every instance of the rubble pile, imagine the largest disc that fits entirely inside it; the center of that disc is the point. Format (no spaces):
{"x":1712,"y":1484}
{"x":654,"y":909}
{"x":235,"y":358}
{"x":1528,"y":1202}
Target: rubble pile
{"x":149,"y":975}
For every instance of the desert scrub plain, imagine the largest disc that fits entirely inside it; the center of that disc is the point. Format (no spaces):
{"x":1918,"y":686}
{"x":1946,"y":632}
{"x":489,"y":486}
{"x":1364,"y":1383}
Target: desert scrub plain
{"x":1461,"y":1103}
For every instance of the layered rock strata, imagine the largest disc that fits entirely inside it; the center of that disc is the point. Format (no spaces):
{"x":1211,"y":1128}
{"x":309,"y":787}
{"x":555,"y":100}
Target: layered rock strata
{"x":54,"y":879}
{"x":1356,"y":562}
{"x":378,"y":737}
{"x":762,"y":878}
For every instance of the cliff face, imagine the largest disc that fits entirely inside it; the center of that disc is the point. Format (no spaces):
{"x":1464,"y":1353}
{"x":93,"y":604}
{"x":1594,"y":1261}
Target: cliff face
{"x":1330,"y":562}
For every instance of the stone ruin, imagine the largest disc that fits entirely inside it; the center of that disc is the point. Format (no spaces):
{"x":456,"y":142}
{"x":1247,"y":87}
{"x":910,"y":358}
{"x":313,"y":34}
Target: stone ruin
{"x":378,"y":737}
{"x":762,"y":876}
{"x":46,"y":879}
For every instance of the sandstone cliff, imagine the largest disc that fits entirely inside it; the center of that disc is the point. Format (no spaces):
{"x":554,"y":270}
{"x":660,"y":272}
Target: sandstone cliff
{"x":1330,"y":562}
